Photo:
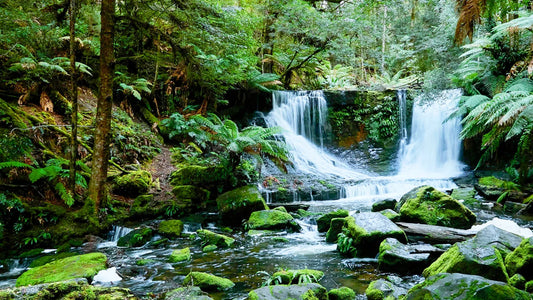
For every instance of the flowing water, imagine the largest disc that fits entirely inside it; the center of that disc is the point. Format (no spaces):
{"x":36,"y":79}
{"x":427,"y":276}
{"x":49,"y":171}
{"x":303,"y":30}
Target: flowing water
{"x":429,"y":155}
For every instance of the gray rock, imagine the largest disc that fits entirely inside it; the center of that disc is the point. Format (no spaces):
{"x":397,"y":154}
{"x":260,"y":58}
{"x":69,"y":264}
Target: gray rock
{"x":384,"y":204}
{"x":283,"y":292}
{"x":402,"y":258}
{"x":462,"y":286}
{"x":188,"y":292}
{"x":381,"y":289}
{"x":503,"y":240}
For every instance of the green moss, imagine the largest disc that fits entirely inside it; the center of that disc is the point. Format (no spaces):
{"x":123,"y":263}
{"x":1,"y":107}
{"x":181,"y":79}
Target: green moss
{"x":518,"y":281}
{"x":237,"y":205}
{"x":180,"y":255}
{"x":343,"y":293}
{"x":170,"y":228}
{"x":86,"y":266}
{"x":528,"y":199}
{"x":196,"y":194}
{"x":211,"y":238}
{"x":270,"y":219}
{"x":133,"y":184}
{"x":493,"y":181}
{"x":373,"y":293}
{"x":144,"y":262}
{"x":298,"y":276}
{"x":136,"y":238}
{"x":279,"y":239}
{"x":31,"y":253}
{"x":212,"y":178}
{"x":434,"y":207}
{"x":208,"y":282}
{"x":7,"y":294}
{"x":529,"y":286}
{"x":209,"y":248}
{"x":281,"y":208}
{"x":324,"y":221}
{"x":336,"y":227}
{"x":49,"y":258}
{"x":521,"y":259}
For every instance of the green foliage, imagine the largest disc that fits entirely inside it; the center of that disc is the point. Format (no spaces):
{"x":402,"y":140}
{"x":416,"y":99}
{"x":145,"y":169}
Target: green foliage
{"x":13,"y":147}
{"x":11,"y":213}
{"x":345,"y":243}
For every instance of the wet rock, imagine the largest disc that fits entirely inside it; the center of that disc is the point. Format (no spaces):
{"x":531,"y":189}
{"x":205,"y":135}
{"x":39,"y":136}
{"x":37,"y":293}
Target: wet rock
{"x":197,"y":197}
{"x":502,"y":240}
{"x":272,"y":220}
{"x":512,"y":208}
{"x":427,"y":205}
{"x":79,"y":266}
{"x":323,"y":223}
{"x":390,"y":214}
{"x":180,"y":255}
{"x":384,"y":204}
{"x":335,"y":228}
{"x":133,"y":184}
{"x":518,"y":281}
{"x":211,"y":238}
{"x":384,"y":289}
{"x":237,"y":205}
{"x":466,"y":194}
{"x":283,"y":292}
{"x":170,"y":228}
{"x":209,"y":248}
{"x":470,"y":257}
{"x":462,"y":286}
{"x":212,"y":178}
{"x":343,"y":293}
{"x":521,"y":260}
{"x":401,"y":258}
{"x":136,"y":238}
{"x":70,"y":289}
{"x":297,"y":276}
{"x":208,"y":282}
{"x":188,"y":292}
{"x":367,"y":230}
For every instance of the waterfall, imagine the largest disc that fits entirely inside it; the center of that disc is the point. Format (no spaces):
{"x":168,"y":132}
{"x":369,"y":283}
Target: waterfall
{"x":303,"y":118}
{"x":434,"y":148}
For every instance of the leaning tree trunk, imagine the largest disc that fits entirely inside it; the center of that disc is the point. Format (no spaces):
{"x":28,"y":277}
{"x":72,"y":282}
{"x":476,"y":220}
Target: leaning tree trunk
{"x":74,"y":91}
{"x":97,"y":185}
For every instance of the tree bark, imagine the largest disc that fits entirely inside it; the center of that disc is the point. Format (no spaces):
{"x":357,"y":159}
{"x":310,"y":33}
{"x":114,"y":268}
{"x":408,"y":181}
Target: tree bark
{"x":97,"y":185}
{"x":74,"y":91}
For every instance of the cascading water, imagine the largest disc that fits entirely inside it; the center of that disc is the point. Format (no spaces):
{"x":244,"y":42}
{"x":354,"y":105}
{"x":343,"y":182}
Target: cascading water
{"x":303,"y":116}
{"x":431,"y":156}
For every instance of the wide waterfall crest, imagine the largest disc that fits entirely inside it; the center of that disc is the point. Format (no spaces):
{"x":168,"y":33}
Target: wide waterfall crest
{"x":303,"y":117}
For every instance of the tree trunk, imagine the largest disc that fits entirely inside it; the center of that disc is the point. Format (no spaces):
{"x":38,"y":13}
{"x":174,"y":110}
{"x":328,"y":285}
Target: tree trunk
{"x":74,"y":91}
{"x":97,"y":185}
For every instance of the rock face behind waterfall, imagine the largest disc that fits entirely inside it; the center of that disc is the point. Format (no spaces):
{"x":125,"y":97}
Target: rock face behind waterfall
{"x":427,"y":205}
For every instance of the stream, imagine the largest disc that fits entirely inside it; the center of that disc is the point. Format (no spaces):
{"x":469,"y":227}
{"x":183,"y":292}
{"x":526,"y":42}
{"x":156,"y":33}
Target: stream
{"x":428,"y":155}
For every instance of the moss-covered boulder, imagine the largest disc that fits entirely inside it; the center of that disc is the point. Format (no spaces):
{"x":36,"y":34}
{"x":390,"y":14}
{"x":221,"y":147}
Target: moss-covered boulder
{"x":213,"y":178}
{"x":390,"y":214}
{"x":79,"y":266}
{"x":427,"y":205}
{"x":467,"y":195}
{"x":237,"y":205}
{"x":401,"y":258}
{"x":324,"y":221}
{"x":520,"y":261}
{"x":271,"y":220}
{"x":187,"y":292}
{"x":384,"y":289}
{"x":470,"y":257}
{"x":463,"y":286}
{"x":211,"y":238}
{"x":343,"y":293}
{"x":144,"y":207}
{"x":67,"y":290}
{"x":208,"y":282}
{"x":43,"y":260}
{"x":197,"y":196}
{"x":367,"y":230}
{"x":384,"y":204}
{"x":133,"y":184}
{"x":336,"y":225}
{"x":180,"y":255}
{"x":308,"y":291}
{"x":170,"y":228}
{"x":209,"y":248}
{"x":492,"y":188}
{"x":136,"y":238}
{"x":297,"y":276}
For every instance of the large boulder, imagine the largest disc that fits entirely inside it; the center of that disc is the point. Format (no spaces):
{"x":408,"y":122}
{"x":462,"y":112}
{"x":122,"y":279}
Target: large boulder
{"x":463,"y":286}
{"x":502,"y":240}
{"x":384,"y":204}
{"x":470,"y":257}
{"x":492,"y":188}
{"x":211,"y":238}
{"x":271,"y":220}
{"x":384,"y":289}
{"x":401,"y":258}
{"x":79,"y":266}
{"x":213,"y":178}
{"x":284,"y":292}
{"x":187,"y":292}
{"x":520,"y":261}
{"x":324,"y":221}
{"x":197,"y":197}
{"x":366,"y":231}
{"x":170,"y":228}
{"x":133,"y":184}
{"x":136,"y":238}
{"x":208,"y":282}
{"x":336,"y":225}
{"x":427,"y":205}
{"x":237,"y":205}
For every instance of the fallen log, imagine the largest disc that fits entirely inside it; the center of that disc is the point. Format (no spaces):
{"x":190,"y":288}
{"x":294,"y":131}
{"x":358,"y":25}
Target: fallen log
{"x":436,"y":234}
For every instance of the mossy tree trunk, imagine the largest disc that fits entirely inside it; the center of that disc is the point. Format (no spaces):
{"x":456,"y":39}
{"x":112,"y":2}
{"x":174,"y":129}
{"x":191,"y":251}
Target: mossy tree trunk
{"x":74,"y":91}
{"x":97,"y":190}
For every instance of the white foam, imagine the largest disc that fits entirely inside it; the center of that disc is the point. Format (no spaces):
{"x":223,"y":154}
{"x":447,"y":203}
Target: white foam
{"x":107,"y":276}
{"x":506,"y":225}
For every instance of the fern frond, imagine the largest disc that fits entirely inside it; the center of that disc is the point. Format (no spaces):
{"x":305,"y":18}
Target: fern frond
{"x":64,"y":194}
{"x":14,"y":164}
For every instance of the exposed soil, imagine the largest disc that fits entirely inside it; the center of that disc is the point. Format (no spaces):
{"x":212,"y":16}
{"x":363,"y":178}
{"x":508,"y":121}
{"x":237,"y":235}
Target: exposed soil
{"x":161,"y":168}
